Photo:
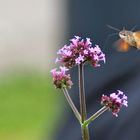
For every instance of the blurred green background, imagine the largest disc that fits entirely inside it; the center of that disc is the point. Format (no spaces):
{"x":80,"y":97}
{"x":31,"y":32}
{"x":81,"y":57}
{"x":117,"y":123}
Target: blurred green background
{"x":31,"y":31}
{"x":29,"y":107}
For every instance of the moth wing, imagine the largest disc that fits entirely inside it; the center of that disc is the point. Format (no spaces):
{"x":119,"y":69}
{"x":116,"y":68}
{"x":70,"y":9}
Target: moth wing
{"x":121,"y":45}
{"x":137,"y":38}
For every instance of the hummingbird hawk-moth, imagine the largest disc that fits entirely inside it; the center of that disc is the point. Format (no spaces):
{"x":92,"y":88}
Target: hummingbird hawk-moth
{"x":127,"y":39}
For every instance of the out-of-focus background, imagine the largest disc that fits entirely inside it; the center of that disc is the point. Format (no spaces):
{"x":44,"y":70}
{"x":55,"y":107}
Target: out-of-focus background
{"x":30,"y":32}
{"x":121,"y":71}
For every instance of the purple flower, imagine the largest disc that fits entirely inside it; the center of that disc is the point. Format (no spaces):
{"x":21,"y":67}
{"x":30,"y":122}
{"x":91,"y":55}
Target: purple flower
{"x":114,"y":102}
{"x":60,"y":79}
{"x":80,"y":51}
{"x":79,"y":59}
{"x":88,"y":42}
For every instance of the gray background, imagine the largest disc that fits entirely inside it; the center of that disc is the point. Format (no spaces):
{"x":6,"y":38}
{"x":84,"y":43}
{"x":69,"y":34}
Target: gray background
{"x":121,"y":71}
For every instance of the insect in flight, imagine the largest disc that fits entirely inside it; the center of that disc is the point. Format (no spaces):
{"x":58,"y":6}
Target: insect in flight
{"x":127,"y":39}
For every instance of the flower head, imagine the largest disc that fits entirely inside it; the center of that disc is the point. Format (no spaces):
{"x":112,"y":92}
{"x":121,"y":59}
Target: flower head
{"x":80,"y":51}
{"x":115,"y":101}
{"x":60,"y":78}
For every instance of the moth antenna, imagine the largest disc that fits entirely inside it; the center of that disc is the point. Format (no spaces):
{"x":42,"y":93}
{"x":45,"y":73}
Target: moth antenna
{"x":134,"y":28}
{"x":111,"y":27}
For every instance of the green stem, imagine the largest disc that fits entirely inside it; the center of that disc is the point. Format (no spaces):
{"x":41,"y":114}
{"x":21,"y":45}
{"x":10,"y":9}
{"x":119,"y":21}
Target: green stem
{"x":77,"y":114}
{"x":82,"y":93}
{"x":85,"y":131}
{"x":96,"y":115}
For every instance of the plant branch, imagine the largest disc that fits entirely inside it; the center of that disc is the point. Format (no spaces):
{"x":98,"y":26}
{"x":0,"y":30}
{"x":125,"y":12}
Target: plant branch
{"x":74,"y":109}
{"x":82,"y":93}
{"x":96,"y":115}
{"x":85,"y":130}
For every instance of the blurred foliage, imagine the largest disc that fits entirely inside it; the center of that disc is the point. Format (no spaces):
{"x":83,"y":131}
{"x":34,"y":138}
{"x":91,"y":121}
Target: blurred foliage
{"x":29,"y":107}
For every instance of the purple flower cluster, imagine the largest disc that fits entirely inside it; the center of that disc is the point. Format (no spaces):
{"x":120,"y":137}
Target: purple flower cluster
{"x":114,"y":102}
{"x":60,"y":79}
{"x":80,"y":51}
